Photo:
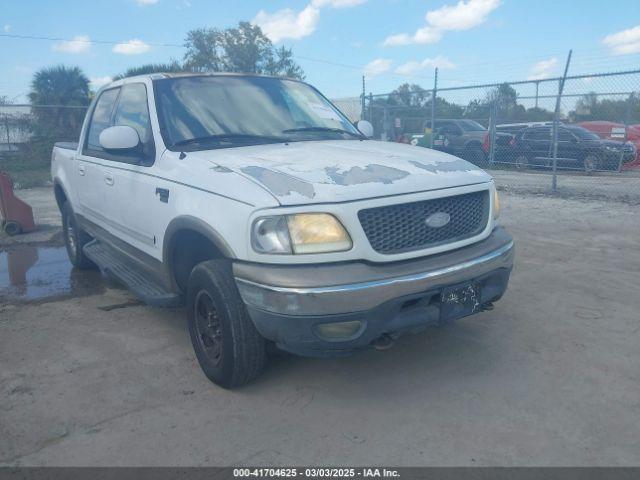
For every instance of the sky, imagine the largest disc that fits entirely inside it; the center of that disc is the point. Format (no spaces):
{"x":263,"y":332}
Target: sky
{"x":335,"y":41}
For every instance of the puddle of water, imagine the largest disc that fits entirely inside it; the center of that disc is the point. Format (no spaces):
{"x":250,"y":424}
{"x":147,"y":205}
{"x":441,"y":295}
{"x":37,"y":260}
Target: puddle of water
{"x":32,"y":273}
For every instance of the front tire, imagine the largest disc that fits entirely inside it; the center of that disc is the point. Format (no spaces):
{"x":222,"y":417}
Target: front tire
{"x":75,"y":239}
{"x":228,"y":347}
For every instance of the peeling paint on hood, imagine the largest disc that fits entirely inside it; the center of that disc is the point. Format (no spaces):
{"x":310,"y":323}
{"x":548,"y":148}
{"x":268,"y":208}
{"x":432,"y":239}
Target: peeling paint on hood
{"x":369,"y":174}
{"x":278,"y":183}
{"x":344,"y":170}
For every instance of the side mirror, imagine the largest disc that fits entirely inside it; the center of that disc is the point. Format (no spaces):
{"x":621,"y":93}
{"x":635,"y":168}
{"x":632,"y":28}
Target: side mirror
{"x":365,"y":128}
{"x":119,"y":138}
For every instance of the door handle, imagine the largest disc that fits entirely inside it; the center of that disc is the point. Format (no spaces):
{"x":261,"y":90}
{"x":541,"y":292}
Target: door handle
{"x":108,"y":179}
{"x":81,"y":169}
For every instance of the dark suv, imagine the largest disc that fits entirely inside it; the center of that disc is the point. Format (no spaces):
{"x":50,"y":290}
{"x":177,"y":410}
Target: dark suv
{"x":466,"y":139}
{"x":578,"y":149}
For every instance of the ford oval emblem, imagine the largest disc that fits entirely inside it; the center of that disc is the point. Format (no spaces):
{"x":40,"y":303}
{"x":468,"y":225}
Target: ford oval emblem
{"x":438,"y":219}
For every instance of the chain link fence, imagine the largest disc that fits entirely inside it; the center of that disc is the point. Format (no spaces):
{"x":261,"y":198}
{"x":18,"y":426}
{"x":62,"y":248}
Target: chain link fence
{"x":573,"y":136}
{"x":27,"y":135}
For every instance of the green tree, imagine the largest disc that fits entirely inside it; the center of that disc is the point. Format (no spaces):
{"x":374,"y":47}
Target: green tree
{"x":205,"y":51}
{"x":244,"y":49}
{"x":172,"y":67}
{"x":622,"y":110}
{"x":59,"y":96}
{"x":281,"y":64}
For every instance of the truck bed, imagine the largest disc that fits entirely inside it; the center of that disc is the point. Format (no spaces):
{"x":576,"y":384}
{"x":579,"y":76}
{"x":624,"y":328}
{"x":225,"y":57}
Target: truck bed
{"x":67,"y":145}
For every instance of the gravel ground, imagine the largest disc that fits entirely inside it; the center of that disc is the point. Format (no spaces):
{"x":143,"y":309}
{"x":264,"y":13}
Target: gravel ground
{"x":550,"y":377}
{"x":619,"y":187}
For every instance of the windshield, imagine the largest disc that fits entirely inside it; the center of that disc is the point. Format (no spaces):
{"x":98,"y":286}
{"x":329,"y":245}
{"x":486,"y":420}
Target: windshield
{"x":471,"y":126}
{"x":584,"y":134}
{"x":226,"y":111}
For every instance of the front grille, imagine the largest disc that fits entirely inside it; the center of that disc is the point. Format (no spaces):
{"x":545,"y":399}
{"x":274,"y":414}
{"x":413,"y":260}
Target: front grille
{"x":402,"y":228}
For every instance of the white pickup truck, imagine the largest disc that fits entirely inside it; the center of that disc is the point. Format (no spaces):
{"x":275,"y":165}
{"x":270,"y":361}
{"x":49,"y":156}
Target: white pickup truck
{"x":256,"y":203}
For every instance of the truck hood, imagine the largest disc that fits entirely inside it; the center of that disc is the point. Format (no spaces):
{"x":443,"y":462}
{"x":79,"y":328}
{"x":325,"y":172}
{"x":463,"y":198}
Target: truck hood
{"x":343,"y":170}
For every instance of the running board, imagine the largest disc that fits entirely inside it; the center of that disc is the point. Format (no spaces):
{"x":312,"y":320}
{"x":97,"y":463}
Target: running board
{"x":141,"y":285}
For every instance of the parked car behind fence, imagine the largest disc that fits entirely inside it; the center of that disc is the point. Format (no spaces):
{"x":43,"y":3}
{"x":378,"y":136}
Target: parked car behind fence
{"x":578,"y":149}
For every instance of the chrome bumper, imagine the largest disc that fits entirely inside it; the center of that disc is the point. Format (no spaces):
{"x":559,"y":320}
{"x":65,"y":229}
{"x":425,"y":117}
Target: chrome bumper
{"x":464,"y":264}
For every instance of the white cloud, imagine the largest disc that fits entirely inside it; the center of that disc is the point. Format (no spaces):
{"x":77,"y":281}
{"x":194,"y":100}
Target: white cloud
{"x":464,"y":15}
{"x":413,"y":67}
{"x":377,"y":67}
{"x":6,"y":28}
{"x":146,"y":2}
{"x":290,"y":24}
{"x":132,"y":47}
{"x":337,"y":3}
{"x":287,"y":23}
{"x":97,"y":82}
{"x":624,"y":42}
{"x":79,"y":44}
{"x":543,"y":69}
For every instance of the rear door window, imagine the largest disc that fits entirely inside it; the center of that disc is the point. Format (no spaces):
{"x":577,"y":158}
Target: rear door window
{"x":538,"y":134}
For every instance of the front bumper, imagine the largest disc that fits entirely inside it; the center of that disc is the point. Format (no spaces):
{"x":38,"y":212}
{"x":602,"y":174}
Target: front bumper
{"x":287,"y":303}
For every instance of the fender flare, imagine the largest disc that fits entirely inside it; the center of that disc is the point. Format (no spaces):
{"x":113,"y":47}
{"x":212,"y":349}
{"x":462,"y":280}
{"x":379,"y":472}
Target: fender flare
{"x":57,"y":183}
{"x":188,"y":222}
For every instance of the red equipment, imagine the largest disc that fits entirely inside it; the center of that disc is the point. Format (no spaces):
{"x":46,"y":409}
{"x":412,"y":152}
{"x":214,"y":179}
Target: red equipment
{"x":17,"y":216}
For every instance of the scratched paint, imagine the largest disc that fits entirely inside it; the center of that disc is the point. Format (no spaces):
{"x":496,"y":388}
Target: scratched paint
{"x":278,"y":183}
{"x":370,"y":174}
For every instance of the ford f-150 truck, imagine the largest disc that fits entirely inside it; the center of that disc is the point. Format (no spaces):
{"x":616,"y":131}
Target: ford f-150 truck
{"x":257,"y":204}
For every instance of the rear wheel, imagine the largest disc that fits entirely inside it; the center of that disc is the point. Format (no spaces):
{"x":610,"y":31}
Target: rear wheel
{"x":228,"y":347}
{"x":592,"y":163}
{"x":521,"y":162}
{"x":75,"y":239}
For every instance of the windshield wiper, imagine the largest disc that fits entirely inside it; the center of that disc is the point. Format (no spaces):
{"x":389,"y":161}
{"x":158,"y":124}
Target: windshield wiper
{"x":229,"y":137}
{"x":323,"y":129}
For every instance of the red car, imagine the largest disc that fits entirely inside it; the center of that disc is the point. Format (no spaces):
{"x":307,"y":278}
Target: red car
{"x":617,"y":132}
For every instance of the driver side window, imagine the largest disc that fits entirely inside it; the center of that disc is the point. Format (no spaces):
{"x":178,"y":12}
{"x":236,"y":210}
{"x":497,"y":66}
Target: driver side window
{"x":100,"y":119}
{"x":133,"y":111}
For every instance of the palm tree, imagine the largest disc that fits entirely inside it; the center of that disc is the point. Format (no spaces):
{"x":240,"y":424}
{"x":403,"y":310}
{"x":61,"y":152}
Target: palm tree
{"x":59,"y":96}
{"x":171,"y":67}
{"x":60,"y":85}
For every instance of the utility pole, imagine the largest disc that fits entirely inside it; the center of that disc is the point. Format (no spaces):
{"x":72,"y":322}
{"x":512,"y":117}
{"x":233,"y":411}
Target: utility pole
{"x":556,"y":120}
{"x":363,"y":99}
{"x":434,"y":94}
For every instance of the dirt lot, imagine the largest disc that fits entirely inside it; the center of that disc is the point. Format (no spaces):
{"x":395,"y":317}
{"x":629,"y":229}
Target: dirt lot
{"x":619,"y":187}
{"x":550,"y":377}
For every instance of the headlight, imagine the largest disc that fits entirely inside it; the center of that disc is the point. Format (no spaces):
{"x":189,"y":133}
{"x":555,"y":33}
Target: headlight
{"x":496,"y":204}
{"x":300,"y":233}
